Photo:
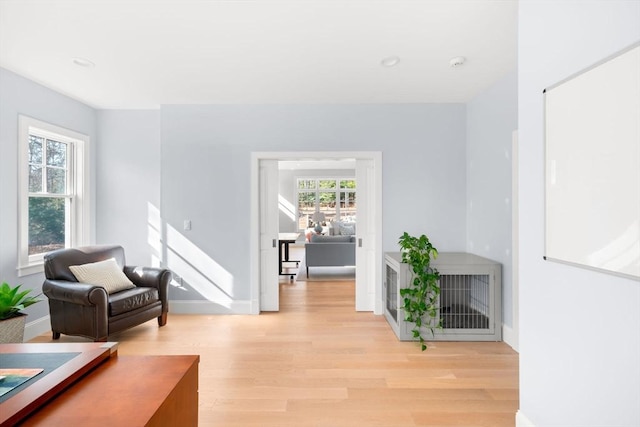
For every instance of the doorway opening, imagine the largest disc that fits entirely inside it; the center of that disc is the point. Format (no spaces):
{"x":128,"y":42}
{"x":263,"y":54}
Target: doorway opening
{"x":265,"y":225}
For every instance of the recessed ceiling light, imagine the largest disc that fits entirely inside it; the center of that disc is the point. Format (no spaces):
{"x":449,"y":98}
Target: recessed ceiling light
{"x":83,"y":62}
{"x":457,"y":61}
{"x":390,"y":61}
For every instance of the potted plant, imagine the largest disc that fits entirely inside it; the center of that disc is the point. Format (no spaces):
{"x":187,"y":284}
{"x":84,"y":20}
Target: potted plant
{"x":421,"y":297}
{"x":12,"y":321}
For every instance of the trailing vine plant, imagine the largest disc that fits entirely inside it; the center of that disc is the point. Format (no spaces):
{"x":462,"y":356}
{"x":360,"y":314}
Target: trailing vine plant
{"x":421,"y":297}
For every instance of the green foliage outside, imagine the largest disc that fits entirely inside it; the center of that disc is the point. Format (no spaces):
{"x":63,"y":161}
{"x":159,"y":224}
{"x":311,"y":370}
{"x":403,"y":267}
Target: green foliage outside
{"x":329,"y":192}
{"x":46,"y":223}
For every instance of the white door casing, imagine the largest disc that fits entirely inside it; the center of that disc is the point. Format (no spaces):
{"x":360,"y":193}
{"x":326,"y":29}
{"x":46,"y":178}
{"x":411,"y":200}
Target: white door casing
{"x":268,"y":220}
{"x":265,"y":283}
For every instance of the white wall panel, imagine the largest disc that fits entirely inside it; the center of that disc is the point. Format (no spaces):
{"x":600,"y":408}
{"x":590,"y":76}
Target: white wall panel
{"x":579,"y":341}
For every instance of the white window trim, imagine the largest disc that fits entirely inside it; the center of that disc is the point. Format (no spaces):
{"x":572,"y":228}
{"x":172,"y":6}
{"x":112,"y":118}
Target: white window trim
{"x":81,"y":228}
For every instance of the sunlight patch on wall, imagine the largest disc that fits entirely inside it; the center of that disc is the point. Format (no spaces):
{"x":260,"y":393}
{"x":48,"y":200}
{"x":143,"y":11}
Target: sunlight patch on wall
{"x":154,"y":234}
{"x":286,"y":207}
{"x":198,"y":270}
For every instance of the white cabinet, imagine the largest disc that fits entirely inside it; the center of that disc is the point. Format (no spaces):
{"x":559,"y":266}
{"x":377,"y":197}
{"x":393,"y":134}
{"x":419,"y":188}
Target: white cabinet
{"x":470,"y":297}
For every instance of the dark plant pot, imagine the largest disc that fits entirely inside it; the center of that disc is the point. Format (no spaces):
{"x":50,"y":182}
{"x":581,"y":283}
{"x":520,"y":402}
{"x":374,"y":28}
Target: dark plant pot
{"x":12,"y":330}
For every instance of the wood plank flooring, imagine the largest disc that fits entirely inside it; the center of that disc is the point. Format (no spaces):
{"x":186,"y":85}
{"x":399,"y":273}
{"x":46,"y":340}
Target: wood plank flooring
{"x":320,"y":363}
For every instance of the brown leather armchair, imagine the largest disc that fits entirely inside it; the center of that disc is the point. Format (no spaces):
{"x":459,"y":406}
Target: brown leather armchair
{"x":88,"y":310}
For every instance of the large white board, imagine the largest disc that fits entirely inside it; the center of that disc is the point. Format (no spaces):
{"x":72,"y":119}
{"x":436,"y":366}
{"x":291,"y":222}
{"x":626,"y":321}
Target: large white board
{"x":592,"y":167}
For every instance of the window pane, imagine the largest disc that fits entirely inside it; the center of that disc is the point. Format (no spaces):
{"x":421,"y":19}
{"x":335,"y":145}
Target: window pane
{"x":306,"y":208}
{"x":348,"y":183}
{"x":46,"y":224}
{"x":307,"y":199}
{"x":56,"y":153}
{"x":306,"y":184}
{"x":327,"y":183}
{"x":35,"y":149}
{"x":327,"y":200}
{"x":35,"y":179}
{"x":328,"y":205}
{"x":348,"y":206}
{"x":56,"y":181}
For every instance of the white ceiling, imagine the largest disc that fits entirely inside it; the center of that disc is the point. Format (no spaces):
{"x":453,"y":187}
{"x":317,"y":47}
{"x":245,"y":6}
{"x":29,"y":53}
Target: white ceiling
{"x":153,"y":52}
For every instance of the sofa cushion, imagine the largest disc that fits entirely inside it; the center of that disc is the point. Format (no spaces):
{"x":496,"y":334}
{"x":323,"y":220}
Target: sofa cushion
{"x":342,"y":228}
{"x":334,"y":228}
{"x":131,"y":299}
{"x":105,"y":273}
{"x":347,"y":229}
{"x":317,"y":238}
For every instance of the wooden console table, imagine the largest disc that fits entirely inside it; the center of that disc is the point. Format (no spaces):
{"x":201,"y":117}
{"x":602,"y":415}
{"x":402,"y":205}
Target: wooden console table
{"x":117,"y":390}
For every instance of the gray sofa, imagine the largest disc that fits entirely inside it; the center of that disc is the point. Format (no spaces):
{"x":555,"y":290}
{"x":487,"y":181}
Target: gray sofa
{"x":330,"y":251}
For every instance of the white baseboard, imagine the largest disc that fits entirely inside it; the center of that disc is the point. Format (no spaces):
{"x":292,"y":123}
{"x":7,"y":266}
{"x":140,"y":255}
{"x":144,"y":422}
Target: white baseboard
{"x":522,"y":421}
{"x":37,"y":327}
{"x":208,"y":307}
{"x":510,"y":337}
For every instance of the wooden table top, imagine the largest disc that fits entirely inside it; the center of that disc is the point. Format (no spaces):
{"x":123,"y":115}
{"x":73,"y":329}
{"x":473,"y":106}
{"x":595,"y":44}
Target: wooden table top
{"x":288,"y":237}
{"x":46,"y":388}
{"x":95,"y":385}
{"x":125,"y":390}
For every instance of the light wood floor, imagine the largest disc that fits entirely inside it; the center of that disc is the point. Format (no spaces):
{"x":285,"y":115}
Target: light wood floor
{"x":319,"y":363}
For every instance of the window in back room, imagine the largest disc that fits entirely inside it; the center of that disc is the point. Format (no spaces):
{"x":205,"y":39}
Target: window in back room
{"x":335,"y":198}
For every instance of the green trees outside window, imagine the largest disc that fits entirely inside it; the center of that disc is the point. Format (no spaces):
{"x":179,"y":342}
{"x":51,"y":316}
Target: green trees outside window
{"x":48,"y":194}
{"x":335,"y":197}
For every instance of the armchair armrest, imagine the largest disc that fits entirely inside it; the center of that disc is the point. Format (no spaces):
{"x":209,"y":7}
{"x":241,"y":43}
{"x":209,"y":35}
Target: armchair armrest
{"x":148,"y":276}
{"x":77,"y":308}
{"x":75,"y":292}
{"x":151,"y":277}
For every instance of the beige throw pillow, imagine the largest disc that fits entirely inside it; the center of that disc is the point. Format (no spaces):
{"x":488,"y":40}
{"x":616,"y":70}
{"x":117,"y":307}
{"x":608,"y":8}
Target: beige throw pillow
{"x":103,"y":273}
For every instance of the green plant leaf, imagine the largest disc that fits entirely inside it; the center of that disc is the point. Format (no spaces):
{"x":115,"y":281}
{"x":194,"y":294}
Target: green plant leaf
{"x":421,"y":298}
{"x":12,"y":300}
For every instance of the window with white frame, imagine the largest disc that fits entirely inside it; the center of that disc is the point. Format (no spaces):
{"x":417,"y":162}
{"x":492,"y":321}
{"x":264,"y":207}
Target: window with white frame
{"x":53,"y":189}
{"x":335,"y":198}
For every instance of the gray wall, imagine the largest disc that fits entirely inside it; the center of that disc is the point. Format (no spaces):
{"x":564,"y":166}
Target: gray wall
{"x":579,"y":329}
{"x":206,"y":171}
{"x":21,"y":96}
{"x":128,"y":187}
{"x":286,"y":189}
{"x":492,"y":117}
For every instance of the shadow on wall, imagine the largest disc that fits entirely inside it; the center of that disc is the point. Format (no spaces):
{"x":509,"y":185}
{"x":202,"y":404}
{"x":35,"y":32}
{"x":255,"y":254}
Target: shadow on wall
{"x":196,"y":276}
